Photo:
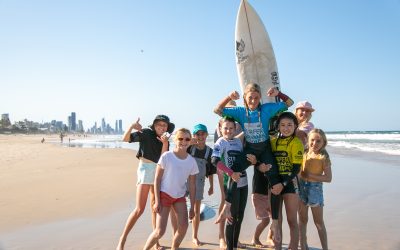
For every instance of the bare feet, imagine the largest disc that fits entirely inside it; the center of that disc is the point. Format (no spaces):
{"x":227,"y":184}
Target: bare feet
{"x":276,"y":234}
{"x":158,"y":246}
{"x":222,"y":244}
{"x":196,"y":242}
{"x":270,"y":238}
{"x":257,"y":243}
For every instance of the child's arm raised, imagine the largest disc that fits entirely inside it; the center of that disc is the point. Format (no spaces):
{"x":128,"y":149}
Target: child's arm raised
{"x":221,"y":105}
{"x":273,"y":92}
{"x":137,"y":126}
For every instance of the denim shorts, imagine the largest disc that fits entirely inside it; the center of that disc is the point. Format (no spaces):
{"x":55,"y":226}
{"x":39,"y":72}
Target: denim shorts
{"x":311,"y":193}
{"x":146,"y":172}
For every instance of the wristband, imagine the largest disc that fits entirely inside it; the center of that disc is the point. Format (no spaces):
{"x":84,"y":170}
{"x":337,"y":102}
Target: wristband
{"x":282,"y":96}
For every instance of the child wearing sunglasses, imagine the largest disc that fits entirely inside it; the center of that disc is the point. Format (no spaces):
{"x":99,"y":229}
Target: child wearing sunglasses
{"x":173,"y":170}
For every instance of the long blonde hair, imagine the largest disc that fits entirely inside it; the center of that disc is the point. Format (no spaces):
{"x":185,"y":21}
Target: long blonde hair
{"x":319,"y":131}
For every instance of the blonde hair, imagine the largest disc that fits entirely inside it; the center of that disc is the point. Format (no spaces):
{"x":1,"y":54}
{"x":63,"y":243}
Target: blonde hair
{"x":319,"y":131}
{"x":183,"y":131}
{"x":251,"y":87}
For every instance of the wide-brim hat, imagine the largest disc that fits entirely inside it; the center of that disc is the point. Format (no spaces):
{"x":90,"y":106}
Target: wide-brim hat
{"x":165,"y":119}
{"x":304,"y":105}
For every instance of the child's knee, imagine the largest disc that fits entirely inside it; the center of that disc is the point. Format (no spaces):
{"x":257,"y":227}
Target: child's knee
{"x":158,"y":233}
{"x":320,"y":225}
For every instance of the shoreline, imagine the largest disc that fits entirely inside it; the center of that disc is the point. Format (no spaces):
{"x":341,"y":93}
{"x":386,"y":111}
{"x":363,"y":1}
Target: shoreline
{"x":96,"y":192}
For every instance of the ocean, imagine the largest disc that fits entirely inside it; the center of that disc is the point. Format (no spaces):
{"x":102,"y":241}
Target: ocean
{"x":385,"y":142}
{"x":381,"y":142}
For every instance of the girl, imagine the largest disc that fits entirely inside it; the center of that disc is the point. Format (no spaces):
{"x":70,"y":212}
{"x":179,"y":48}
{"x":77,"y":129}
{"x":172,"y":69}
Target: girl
{"x":303,"y":113}
{"x":316,"y":169}
{"x":288,"y":151}
{"x":254,"y":119}
{"x":230,"y":150}
{"x":173,"y":170}
{"x":153,"y":142}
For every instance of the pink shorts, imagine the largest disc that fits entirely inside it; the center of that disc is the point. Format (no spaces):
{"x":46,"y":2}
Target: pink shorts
{"x":168,"y":201}
{"x":261,"y":206}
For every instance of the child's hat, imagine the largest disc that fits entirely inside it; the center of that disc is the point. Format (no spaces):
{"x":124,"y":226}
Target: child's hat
{"x":165,"y":119}
{"x":199,"y":127}
{"x":305,"y":105}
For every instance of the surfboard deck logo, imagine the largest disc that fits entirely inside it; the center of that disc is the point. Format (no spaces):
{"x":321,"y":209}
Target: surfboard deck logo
{"x":255,"y":58}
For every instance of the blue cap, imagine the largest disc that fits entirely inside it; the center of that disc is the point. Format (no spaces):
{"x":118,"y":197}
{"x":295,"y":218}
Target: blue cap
{"x":199,"y":127}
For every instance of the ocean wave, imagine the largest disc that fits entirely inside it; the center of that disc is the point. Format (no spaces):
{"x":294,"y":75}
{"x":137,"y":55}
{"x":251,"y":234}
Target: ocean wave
{"x":377,"y":141}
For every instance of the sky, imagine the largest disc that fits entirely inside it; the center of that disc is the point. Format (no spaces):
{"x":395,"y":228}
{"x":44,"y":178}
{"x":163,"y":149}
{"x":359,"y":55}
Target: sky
{"x":126,"y":59}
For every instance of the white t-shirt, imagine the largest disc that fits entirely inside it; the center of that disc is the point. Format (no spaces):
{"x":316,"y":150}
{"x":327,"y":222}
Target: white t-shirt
{"x":176,"y":173}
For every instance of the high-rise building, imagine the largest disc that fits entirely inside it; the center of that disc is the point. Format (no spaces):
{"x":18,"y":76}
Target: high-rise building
{"x":5,"y":120}
{"x":120,"y":127}
{"x":80,"y":126}
{"x":103,"y":125}
{"x":69,"y":123}
{"x":116,"y":127}
{"x":73,"y":121}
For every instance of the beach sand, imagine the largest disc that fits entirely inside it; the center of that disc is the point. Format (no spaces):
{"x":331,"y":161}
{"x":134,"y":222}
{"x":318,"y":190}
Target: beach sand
{"x":55,"y":197}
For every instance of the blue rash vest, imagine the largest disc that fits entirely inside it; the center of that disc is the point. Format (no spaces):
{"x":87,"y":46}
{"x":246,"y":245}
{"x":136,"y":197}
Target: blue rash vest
{"x":255,"y":123}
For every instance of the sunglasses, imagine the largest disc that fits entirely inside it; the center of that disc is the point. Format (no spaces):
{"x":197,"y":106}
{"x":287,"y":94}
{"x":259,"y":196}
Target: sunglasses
{"x":186,"y":139}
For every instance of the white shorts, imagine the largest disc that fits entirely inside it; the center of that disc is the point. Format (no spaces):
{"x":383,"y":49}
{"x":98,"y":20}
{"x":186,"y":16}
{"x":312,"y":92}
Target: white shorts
{"x":146,"y":172}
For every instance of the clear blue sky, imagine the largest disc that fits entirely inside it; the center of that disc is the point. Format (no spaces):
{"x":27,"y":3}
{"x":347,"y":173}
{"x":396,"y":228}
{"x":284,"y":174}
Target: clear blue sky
{"x":129,"y":59}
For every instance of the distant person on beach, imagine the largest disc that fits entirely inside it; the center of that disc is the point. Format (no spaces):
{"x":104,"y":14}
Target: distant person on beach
{"x":61,"y":137}
{"x":42,"y":141}
{"x":202,"y":154}
{"x":316,"y":169}
{"x":173,"y":170}
{"x":254,"y":118}
{"x":153,"y":142}
{"x":288,"y":151}
{"x":303,"y":112}
{"x":227,"y":154}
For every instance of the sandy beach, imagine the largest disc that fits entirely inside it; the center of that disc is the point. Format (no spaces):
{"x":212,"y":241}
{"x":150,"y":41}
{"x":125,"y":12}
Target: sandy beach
{"x":55,"y":197}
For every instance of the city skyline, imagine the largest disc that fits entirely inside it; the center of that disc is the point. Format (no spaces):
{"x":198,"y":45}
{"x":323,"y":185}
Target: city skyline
{"x":72,"y":125}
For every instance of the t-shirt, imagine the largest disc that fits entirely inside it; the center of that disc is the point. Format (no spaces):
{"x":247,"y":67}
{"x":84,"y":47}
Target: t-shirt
{"x":149,"y":146}
{"x":255,"y":123}
{"x":228,"y":151}
{"x":176,"y":173}
{"x":287,"y":151}
{"x":306,"y":127}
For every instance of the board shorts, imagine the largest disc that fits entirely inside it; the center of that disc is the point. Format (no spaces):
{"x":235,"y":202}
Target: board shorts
{"x":292,"y":187}
{"x":146,"y":172}
{"x":168,"y":201}
{"x":311,"y":193}
{"x":261,"y":206}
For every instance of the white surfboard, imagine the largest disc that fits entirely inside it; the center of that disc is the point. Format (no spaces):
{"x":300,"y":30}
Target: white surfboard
{"x":255,"y":58}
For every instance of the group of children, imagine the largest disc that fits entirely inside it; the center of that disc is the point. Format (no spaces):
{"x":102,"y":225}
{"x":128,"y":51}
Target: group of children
{"x":283,"y":171}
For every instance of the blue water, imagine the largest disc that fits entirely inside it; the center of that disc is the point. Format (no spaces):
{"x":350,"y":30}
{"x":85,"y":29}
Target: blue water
{"x":384,"y":142}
